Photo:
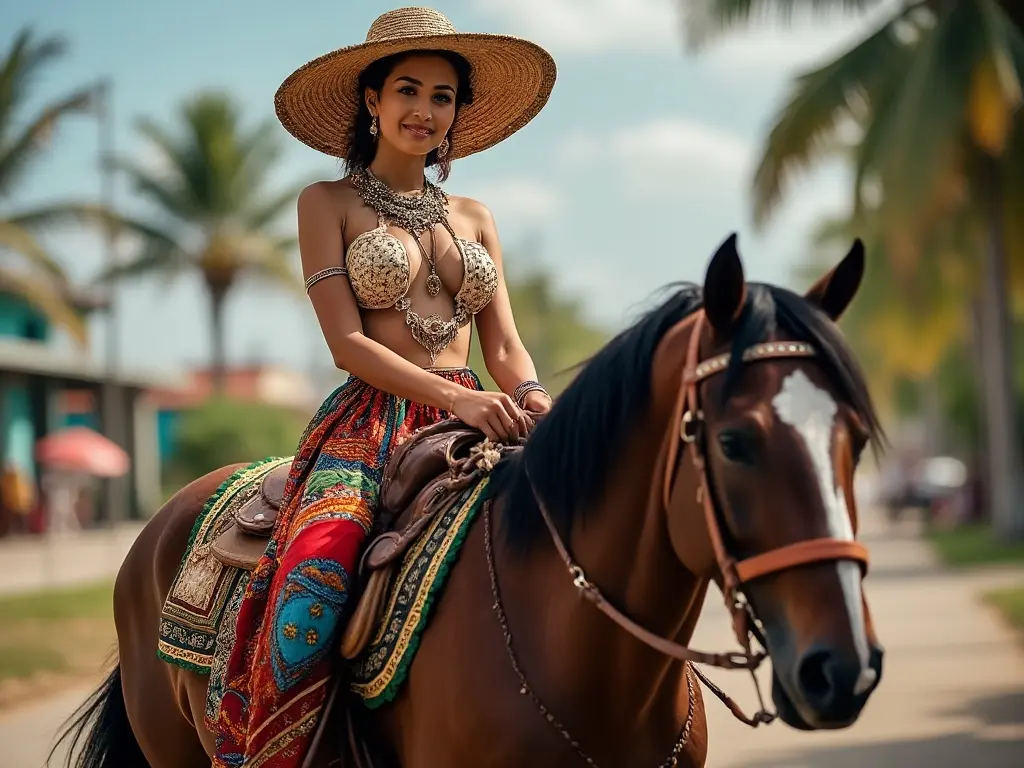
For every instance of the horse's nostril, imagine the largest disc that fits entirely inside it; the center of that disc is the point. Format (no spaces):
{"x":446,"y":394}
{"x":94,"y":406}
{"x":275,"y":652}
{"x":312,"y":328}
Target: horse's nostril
{"x":815,"y":678}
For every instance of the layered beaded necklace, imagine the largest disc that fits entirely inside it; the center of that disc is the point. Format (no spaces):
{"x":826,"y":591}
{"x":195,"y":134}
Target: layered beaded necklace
{"x":414,"y":213}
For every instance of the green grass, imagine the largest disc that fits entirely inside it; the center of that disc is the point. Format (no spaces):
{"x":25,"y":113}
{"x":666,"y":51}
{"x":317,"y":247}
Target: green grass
{"x":975,"y":545}
{"x":20,"y":661}
{"x":1010,"y":603}
{"x":54,"y":633}
{"x":90,"y":602}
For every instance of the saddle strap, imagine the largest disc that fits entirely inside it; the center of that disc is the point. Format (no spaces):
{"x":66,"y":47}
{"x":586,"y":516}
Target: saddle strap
{"x":729,"y":660}
{"x":358,"y":750}
{"x":325,"y":711}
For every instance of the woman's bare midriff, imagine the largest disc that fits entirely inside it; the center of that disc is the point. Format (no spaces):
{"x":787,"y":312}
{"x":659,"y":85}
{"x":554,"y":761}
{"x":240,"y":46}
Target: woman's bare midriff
{"x":387,"y":327}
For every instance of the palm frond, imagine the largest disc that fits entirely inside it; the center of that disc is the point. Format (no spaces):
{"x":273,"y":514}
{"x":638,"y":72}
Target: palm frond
{"x":154,"y":258}
{"x":996,"y":91}
{"x":819,"y":102}
{"x":706,"y":20}
{"x":18,"y":239}
{"x":16,"y":155}
{"x":164,"y":189}
{"x":18,"y":69}
{"x":259,"y":151}
{"x":265,"y":213}
{"x":214,"y":158}
{"x":52,"y":215}
{"x":927,"y":120}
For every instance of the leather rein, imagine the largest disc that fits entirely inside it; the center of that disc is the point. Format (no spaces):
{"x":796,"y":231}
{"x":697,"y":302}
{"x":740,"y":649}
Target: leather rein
{"x":734,"y":573}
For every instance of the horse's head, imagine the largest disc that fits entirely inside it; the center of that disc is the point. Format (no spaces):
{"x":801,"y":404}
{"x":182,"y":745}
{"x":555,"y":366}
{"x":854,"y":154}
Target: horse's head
{"x":773,"y":433}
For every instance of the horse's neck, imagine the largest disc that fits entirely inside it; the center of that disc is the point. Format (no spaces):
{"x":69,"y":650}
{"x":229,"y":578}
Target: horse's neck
{"x":580,"y":654}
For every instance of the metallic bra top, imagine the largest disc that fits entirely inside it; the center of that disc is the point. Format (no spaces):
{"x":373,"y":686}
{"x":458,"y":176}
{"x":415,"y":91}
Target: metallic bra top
{"x":380,"y":274}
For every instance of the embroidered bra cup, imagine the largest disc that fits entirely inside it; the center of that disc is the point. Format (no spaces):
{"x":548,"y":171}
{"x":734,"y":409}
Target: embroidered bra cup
{"x":378,"y":269}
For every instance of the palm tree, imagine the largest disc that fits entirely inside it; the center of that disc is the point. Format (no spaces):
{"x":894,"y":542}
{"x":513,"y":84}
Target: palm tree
{"x":39,"y":279}
{"x":211,"y":213}
{"x":903,"y":331}
{"x":935,"y":91}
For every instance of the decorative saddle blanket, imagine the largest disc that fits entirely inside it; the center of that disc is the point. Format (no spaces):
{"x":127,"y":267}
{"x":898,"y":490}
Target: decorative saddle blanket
{"x":377,"y":674}
{"x":197,"y":623}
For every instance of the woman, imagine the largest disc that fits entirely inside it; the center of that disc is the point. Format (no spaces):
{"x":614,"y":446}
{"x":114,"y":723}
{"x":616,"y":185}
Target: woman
{"x":396,"y":271}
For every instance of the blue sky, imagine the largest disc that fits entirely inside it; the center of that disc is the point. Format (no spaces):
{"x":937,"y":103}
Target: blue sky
{"x":637,"y":168}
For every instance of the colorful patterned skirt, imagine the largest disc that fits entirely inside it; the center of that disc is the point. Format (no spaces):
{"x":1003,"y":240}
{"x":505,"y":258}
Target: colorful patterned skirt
{"x":290,"y":620}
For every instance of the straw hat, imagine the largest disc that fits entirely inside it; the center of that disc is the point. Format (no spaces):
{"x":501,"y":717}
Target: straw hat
{"x":511,"y":80}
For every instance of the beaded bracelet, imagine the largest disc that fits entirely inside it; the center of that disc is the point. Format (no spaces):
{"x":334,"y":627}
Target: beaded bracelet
{"x":318,"y":276}
{"x":525,"y":388}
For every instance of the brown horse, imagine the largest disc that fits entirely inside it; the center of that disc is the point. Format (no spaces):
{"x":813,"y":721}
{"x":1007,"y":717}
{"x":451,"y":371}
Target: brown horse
{"x":714,"y":440}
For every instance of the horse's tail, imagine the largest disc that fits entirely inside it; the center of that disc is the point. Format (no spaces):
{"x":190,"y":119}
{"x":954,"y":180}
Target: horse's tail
{"x":101,"y":724}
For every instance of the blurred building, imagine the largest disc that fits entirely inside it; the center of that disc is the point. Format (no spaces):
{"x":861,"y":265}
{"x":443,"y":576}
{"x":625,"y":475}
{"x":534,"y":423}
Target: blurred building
{"x":263,"y":383}
{"x":37,"y":383}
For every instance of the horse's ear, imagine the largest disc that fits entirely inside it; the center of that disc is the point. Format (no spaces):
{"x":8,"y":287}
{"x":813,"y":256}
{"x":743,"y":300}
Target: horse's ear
{"x":725,"y":288}
{"x":834,"y":292}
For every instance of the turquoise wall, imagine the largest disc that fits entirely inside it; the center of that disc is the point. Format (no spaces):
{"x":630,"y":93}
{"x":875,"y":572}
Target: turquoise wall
{"x":167,"y":433}
{"x":20,"y":320}
{"x":20,"y":437}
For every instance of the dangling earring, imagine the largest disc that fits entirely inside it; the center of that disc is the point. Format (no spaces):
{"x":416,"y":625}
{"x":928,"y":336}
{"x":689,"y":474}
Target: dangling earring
{"x":373,"y":127}
{"x":443,"y":147}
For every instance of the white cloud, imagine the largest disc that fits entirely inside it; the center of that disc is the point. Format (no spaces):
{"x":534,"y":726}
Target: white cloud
{"x":586,"y":26}
{"x":786,"y":48}
{"x":518,"y":201}
{"x":680,"y":143}
{"x":598,"y":26}
{"x":665,"y":155}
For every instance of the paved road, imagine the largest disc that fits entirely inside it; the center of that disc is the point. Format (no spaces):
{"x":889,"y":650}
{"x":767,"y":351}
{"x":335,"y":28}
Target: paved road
{"x":30,"y":563}
{"x":952,"y":692}
{"x":27,"y":734}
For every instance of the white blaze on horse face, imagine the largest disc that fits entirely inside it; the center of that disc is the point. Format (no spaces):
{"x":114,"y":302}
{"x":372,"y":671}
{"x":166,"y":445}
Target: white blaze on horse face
{"x":811,"y":412}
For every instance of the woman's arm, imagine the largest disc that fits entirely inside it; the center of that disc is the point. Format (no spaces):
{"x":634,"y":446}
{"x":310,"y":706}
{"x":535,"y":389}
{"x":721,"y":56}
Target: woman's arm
{"x":505,"y":355}
{"x":320,"y":244}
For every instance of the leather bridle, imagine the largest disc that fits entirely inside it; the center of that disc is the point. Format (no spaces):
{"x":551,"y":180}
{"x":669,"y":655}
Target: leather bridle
{"x":733,"y":573}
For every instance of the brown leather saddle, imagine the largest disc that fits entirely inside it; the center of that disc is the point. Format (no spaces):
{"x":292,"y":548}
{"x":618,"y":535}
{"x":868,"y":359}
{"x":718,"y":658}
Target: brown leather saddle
{"x":243,"y":542}
{"x":432,"y":466}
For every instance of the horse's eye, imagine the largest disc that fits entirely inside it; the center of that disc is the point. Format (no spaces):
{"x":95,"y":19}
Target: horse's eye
{"x":737,"y":446}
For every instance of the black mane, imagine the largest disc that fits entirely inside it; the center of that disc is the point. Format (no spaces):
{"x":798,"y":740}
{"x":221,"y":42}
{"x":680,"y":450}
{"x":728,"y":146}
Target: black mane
{"x":573,"y":449}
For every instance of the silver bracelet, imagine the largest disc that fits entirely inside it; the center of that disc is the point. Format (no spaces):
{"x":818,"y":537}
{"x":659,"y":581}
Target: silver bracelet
{"x":316,"y":277}
{"x":519,"y":393}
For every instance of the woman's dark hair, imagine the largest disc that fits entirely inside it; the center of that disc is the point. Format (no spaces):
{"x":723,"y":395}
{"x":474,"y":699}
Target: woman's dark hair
{"x":362,"y":146}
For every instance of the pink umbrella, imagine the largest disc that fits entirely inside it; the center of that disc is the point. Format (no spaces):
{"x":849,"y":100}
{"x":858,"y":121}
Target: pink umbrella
{"x":80,"y":449}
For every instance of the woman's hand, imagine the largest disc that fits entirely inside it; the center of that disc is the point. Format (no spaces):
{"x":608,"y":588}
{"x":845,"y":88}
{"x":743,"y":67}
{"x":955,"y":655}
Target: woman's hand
{"x":494,"y":413}
{"x":537,"y":401}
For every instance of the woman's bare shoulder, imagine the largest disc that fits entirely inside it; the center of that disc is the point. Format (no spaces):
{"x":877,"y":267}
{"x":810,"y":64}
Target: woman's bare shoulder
{"x":469,"y":207}
{"x":475,"y":214}
{"x":338,"y":196}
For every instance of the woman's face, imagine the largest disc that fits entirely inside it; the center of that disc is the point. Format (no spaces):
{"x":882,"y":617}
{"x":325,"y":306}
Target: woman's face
{"x":416,"y":105}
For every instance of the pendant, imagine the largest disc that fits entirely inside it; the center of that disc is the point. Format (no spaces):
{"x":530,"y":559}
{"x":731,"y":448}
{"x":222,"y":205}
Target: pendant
{"x":433,"y":284}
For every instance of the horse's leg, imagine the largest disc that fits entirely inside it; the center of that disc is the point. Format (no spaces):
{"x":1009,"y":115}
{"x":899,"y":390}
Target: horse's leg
{"x":193,"y":689}
{"x":160,"y":697}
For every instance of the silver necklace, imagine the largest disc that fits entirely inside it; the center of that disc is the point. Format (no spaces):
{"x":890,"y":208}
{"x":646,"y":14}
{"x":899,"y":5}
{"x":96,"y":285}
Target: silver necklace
{"x":413,"y":213}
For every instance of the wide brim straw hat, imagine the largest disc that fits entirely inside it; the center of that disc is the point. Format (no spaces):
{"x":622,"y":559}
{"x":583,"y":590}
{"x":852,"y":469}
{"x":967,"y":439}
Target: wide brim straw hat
{"x":511,"y":80}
